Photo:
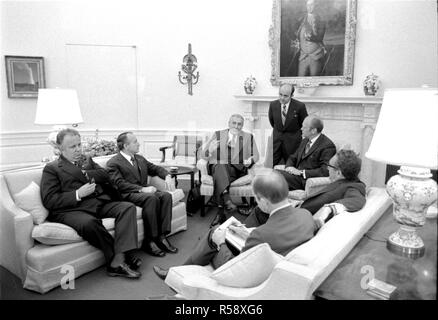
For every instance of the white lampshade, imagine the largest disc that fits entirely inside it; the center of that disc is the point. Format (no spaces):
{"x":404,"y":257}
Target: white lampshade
{"x":58,"y":106}
{"x":406,"y":133}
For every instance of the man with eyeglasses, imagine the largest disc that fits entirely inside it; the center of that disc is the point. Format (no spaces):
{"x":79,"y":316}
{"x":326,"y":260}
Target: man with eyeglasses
{"x":286,"y":116}
{"x":345,"y":192}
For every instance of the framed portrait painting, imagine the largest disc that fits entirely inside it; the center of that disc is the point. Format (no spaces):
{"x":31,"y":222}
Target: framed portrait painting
{"x":25,"y":75}
{"x":312,"y":42}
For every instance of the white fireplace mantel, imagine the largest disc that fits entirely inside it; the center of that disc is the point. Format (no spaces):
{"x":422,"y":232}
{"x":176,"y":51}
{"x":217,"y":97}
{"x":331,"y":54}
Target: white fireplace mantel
{"x":347,"y":121}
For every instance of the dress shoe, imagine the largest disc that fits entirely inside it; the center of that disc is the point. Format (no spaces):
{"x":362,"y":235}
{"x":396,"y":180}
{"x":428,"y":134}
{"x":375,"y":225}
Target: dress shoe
{"x":230,"y":206}
{"x":153,"y":250}
{"x":122,"y":270}
{"x":165,"y":245}
{"x":219,"y":219}
{"x":133,"y":262}
{"x":160,"y":272}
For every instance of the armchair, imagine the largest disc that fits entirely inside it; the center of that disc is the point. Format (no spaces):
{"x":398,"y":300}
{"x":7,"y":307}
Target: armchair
{"x":182,"y":151}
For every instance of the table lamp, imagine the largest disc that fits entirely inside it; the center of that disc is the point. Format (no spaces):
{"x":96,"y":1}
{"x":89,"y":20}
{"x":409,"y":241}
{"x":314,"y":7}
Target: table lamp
{"x":58,"y":107}
{"x":407,"y":135}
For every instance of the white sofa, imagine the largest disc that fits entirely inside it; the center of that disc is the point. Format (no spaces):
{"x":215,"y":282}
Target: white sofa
{"x":297,"y":275}
{"x":39,"y":265}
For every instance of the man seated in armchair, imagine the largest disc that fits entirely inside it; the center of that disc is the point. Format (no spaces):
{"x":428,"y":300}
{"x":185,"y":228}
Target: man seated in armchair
{"x":230,"y":153}
{"x":285,"y":229}
{"x":129,"y":173}
{"x":345,"y":192}
{"x":311,"y":158}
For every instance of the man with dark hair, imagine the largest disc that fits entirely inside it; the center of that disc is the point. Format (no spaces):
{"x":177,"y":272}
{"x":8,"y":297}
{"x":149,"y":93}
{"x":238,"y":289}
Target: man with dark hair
{"x":285,"y":229}
{"x":73,"y":189}
{"x":129,"y":174}
{"x":230,"y":153}
{"x":311,"y":158}
{"x":286,"y":116}
{"x":345,"y":192}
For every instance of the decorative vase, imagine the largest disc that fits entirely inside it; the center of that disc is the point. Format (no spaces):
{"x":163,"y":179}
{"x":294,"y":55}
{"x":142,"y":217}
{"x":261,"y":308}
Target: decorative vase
{"x":250,"y":84}
{"x":371,"y":84}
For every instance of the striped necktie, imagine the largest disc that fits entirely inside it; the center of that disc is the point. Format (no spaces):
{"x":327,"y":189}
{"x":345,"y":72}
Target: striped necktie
{"x":306,"y":151}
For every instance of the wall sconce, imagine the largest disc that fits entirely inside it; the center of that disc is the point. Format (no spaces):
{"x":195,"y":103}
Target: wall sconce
{"x":189,"y":66}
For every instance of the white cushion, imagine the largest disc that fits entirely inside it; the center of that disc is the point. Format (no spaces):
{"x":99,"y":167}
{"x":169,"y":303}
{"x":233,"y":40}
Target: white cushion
{"x":29,"y":199}
{"x":248,"y":269}
{"x":52,"y":233}
{"x":177,"y":196}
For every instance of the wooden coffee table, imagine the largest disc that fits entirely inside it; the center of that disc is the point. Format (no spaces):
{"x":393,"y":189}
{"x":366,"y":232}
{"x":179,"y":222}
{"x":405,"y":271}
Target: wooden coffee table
{"x":183,"y":170}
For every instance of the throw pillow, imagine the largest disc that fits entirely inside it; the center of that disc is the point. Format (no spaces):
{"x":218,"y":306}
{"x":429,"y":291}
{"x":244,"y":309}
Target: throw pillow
{"x":248,"y":269}
{"x":29,"y":199}
{"x":52,"y":233}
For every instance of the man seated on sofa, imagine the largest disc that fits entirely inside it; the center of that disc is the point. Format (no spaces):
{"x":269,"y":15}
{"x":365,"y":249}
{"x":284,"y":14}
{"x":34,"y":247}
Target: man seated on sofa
{"x":129,"y":174}
{"x":345,"y":192}
{"x":229,"y":152}
{"x":311,"y":158}
{"x":285,"y":229}
{"x":75,"y":191}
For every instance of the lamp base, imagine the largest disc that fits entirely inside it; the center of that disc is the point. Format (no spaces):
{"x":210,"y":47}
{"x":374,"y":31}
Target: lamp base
{"x":406,"y":242}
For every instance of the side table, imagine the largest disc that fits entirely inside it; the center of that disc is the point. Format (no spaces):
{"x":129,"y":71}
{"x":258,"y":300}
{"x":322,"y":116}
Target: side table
{"x":414,"y":279}
{"x":183,"y":170}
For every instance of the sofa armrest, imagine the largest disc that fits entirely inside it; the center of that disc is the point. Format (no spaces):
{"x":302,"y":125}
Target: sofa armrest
{"x":202,"y":166}
{"x":314,"y":185}
{"x":279,"y":167}
{"x":287,"y":281}
{"x":158,"y":183}
{"x":16,"y":227}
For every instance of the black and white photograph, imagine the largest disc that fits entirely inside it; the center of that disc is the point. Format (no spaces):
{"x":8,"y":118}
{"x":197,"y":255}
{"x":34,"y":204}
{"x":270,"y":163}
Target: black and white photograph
{"x":195,"y":159}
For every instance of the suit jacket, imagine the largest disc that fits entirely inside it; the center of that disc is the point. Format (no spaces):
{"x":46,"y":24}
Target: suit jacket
{"x":126,"y":178}
{"x":61,"y":179}
{"x":245,"y":148}
{"x":285,"y":230}
{"x":349,"y":193}
{"x":290,"y":133}
{"x":316,"y":160}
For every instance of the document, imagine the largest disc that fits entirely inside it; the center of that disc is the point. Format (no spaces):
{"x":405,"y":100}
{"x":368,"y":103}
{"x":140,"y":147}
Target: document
{"x":236,"y":235}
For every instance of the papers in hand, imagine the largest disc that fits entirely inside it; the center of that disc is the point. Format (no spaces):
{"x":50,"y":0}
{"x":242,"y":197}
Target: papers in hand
{"x":236,"y":233}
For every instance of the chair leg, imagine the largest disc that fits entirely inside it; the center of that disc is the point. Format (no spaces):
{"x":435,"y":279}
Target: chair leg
{"x":203,"y":206}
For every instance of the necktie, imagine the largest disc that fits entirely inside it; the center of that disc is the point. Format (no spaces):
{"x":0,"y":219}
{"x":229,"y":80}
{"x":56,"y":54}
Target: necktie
{"x":283,"y":114}
{"x":307,"y":147}
{"x":232,"y":142}
{"x":133,"y":161}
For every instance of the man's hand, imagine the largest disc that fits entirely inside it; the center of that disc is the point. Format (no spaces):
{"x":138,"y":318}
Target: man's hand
{"x":170,"y":183}
{"x":240,"y":230}
{"x":247,"y":162}
{"x":218,"y":236}
{"x":321,"y":215}
{"x":293,"y":170}
{"x":86,"y":190}
{"x":150,"y":189}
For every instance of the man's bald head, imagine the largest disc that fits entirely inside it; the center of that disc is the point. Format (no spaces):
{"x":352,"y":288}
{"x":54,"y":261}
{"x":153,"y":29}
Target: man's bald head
{"x":270,"y":185}
{"x":285,"y":93}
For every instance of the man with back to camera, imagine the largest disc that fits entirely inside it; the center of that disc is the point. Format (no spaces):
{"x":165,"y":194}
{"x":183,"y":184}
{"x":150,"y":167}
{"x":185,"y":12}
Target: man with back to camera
{"x":285,"y":229}
{"x":73,"y":190}
{"x":312,"y":156}
{"x":129,"y":173}
{"x":345,"y":192}
{"x":286,"y":116}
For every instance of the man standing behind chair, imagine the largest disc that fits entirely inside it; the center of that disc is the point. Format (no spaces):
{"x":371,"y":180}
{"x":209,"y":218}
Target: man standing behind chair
{"x":129,"y":174}
{"x":286,"y":116}
{"x":312,"y":156}
{"x":72,"y":189}
{"x":229,"y":152}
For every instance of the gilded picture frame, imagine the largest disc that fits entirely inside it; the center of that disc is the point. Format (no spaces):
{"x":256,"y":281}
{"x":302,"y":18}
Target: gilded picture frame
{"x":312,"y":42}
{"x":25,"y":75}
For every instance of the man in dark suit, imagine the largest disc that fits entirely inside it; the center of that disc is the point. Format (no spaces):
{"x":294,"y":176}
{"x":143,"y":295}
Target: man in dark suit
{"x":285,"y":229}
{"x":345,"y":192}
{"x":73,"y":190}
{"x":311,"y":158}
{"x":230,"y":153}
{"x":129,"y":174}
{"x":286,"y":116}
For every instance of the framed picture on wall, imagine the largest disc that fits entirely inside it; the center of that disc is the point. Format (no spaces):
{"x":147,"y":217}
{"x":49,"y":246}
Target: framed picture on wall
{"x":312,"y":42}
{"x":25,"y":75}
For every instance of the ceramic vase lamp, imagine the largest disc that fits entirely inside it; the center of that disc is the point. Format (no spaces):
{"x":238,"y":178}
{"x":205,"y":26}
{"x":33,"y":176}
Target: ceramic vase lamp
{"x":57,"y":107}
{"x":406,"y":134}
